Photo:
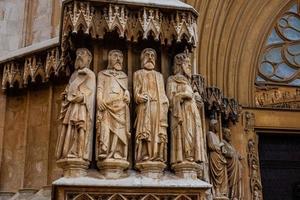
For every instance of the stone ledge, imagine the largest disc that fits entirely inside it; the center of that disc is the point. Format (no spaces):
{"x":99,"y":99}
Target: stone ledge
{"x":135,"y":180}
{"x":29,"y":50}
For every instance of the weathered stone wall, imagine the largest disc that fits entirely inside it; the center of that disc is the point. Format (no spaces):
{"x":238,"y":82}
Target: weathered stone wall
{"x":26,"y":22}
{"x":11,"y":24}
{"x":29,"y":127}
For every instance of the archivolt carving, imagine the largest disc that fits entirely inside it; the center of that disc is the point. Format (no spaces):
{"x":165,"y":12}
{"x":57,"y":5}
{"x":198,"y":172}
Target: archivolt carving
{"x":96,"y":21}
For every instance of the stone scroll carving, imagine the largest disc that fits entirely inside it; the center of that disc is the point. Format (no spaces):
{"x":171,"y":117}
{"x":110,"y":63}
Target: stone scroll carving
{"x":74,"y":145}
{"x":187,"y":139}
{"x":113,"y":117}
{"x":217,"y":162}
{"x":234,"y":168}
{"x":151,"y":120}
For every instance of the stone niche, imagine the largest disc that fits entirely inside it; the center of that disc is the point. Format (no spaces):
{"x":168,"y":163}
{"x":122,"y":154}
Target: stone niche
{"x":127,"y":27}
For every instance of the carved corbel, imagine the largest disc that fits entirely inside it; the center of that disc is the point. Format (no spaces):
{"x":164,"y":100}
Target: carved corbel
{"x":11,"y":75}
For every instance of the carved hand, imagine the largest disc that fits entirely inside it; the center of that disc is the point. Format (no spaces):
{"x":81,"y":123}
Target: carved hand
{"x":142,"y":98}
{"x":223,"y":149}
{"x":79,"y":99}
{"x":101,"y":105}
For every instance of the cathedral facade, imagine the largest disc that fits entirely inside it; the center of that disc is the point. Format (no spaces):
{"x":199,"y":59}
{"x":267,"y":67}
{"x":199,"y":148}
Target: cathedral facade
{"x":137,"y":99}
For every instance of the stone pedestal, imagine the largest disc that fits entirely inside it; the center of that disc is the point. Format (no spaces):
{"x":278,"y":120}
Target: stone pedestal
{"x":111,"y":168}
{"x":188,"y":170}
{"x":73,"y":167}
{"x":151,"y":169}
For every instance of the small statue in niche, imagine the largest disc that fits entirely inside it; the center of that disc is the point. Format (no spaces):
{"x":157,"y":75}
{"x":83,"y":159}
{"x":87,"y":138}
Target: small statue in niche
{"x":187,"y":139}
{"x":113,"y":116}
{"x":152,"y":112}
{"x":234,"y":168}
{"x":77,"y":114}
{"x":217,"y":162}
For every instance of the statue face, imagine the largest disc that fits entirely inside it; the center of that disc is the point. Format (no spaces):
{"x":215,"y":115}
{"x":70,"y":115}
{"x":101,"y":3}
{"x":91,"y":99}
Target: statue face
{"x":82,"y":60}
{"x":187,"y":67}
{"x":116,"y":61}
{"x":148,"y":61}
{"x":227,"y":135}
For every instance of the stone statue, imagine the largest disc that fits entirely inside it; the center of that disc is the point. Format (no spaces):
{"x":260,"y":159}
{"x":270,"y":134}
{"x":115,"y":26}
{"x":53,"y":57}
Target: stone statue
{"x":77,"y":117}
{"x":187,"y":139}
{"x":113,"y":117}
{"x":234,"y":168}
{"x":217,"y":162}
{"x":152,"y":112}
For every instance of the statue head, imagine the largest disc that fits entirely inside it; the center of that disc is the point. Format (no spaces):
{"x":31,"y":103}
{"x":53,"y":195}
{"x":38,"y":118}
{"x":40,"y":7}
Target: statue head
{"x":227,"y":134}
{"x":83,"y":58}
{"x":182,"y":64}
{"x":115,"y":60}
{"x":148,"y":58}
{"x":213,"y":125}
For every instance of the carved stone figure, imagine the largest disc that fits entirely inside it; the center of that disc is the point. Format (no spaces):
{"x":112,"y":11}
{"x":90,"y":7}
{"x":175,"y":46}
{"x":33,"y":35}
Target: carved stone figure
{"x":74,"y":146}
{"x":113,"y":117}
{"x":152,"y":110}
{"x":187,"y":140}
{"x":217,"y":162}
{"x":234,"y":168}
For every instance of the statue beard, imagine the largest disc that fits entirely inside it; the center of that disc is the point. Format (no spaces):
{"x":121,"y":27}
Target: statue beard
{"x":187,"y":73}
{"x":117,"y":66}
{"x":149,"y":64}
{"x":78,"y":64}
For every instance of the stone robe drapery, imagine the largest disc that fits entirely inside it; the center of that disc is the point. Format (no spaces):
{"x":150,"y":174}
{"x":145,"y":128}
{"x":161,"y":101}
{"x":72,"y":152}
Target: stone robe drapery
{"x":152,"y":116}
{"x":75,"y":116}
{"x":217,"y":165}
{"x":115,"y":119}
{"x":187,"y":139}
{"x":234,"y":172}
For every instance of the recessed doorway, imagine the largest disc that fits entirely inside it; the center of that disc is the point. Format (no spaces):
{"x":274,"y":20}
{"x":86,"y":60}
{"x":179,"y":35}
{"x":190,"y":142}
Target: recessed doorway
{"x":280,"y":166}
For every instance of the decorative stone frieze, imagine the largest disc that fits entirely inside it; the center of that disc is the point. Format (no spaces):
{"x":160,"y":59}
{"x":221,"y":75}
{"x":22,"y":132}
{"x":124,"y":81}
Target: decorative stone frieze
{"x":21,"y":71}
{"x":130,"y":22}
